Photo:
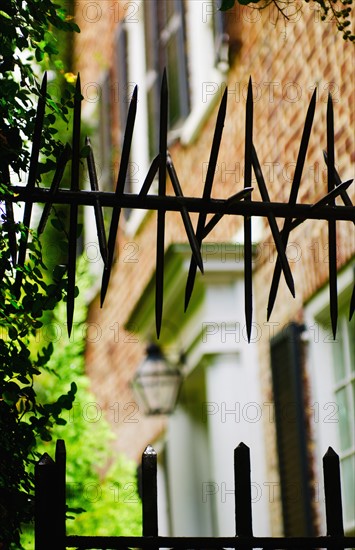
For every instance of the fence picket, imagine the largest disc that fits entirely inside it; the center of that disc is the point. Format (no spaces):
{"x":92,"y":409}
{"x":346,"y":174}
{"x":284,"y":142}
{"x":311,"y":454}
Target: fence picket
{"x":45,"y":473}
{"x":50,"y":511}
{"x":242,"y":487}
{"x":60,"y":463}
{"x":149,"y":493}
{"x":332,"y":490}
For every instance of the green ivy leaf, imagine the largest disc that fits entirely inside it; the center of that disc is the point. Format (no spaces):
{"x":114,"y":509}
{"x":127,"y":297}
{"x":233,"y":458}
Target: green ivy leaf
{"x":13,"y":333}
{"x":4,"y":14}
{"x":39,"y":55}
{"x":57,"y":224}
{"x":61,"y":421}
{"x":45,"y":435}
{"x":74,"y":27}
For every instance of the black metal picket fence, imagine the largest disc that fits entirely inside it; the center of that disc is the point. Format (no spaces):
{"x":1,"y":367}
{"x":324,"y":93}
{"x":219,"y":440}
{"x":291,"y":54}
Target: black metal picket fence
{"x":50,"y":499}
{"x":240,"y":204}
{"x":50,"y":510}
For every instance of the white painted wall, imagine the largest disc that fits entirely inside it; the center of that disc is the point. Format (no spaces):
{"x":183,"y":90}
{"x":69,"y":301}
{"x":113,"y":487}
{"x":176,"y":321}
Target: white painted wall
{"x":231,"y":414}
{"x":235,"y":416}
{"x":188,"y":470}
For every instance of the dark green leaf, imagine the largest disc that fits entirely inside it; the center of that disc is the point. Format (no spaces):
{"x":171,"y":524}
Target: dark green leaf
{"x":12,"y":333}
{"x":61,"y":421}
{"x":57,"y":224}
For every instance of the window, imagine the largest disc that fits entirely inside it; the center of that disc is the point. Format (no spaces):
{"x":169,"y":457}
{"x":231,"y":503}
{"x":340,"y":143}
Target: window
{"x":208,"y":52}
{"x":124,"y":89}
{"x":105,"y":143}
{"x":165,"y":43}
{"x":122,"y":73}
{"x":331,"y":367}
{"x":343,"y":359}
{"x":131,"y":71}
{"x":187,"y":38}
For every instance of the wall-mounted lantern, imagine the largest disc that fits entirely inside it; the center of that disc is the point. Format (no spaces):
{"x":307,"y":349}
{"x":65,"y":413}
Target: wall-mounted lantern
{"x":157,"y":383}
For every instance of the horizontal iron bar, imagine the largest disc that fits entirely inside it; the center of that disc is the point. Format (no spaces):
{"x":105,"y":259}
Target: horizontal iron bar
{"x":192,"y":204}
{"x":183,"y":543}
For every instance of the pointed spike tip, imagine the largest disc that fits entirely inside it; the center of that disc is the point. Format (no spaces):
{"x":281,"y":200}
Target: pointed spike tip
{"x":104,"y":285}
{"x":69,"y":326}
{"x":164,"y":82}
{"x":242,"y":445}
{"x":44,"y":83}
{"x":331,"y":453}
{"x":45,"y":460}
{"x":149,"y":450}
{"x":224,"y":98}
{"x":60,"y":448}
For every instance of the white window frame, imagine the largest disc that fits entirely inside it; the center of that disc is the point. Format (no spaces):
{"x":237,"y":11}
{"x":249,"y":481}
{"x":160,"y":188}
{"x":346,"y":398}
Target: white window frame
{"x":320,"y":364}
{"x":136,"y":75}
{"x":203,"y":71}
{"x":207,"y":73}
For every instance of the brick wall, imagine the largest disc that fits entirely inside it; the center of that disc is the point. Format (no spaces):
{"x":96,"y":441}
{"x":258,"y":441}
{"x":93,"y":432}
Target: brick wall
{"x":286,"y":61}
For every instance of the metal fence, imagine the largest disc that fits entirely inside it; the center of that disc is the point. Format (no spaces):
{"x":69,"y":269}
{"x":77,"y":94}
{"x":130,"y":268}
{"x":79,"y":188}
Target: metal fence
{"x":50,"y":502}
{"x":50,"y":499}
{"x":240,"y":204}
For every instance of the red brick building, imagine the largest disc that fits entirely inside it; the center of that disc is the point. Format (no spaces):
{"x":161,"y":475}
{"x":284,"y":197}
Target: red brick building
{"x":289,"y":393}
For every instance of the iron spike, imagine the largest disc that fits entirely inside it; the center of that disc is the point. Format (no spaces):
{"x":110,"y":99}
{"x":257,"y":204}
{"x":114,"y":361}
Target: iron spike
{"x":100,"y":226}
{"x":217,"y":137}
{"x":293,"y":197}
{"x":248,"y":269}
{"x":61,"y":164}
{"x":195,"y":248}
{"x":273,"y":225}
{"x":116,"y":210}
{"x":333,"y":297}
{"x":159,"y":274}
{"x":73,"y":217}
{"x":154,"y":167}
